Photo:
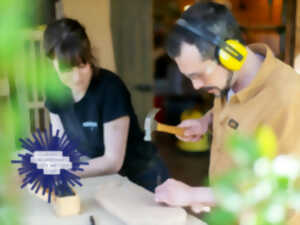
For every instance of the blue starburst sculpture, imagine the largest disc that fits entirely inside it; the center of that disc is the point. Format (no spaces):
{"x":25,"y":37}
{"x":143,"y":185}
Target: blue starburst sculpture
{"x":52,"y":174}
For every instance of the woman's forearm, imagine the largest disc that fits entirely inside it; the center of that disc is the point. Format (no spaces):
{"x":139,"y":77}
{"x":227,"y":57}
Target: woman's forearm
{"x":99,"y":166}
{"x":115,"y":140}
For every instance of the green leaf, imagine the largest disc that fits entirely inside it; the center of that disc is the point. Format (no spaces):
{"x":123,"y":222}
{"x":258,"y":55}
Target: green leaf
{"x":220,"y":216}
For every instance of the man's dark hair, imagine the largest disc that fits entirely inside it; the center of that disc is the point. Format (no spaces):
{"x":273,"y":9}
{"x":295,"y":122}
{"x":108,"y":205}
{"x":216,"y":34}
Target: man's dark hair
{"x":212,"y":16}
{"x":67,"y":41}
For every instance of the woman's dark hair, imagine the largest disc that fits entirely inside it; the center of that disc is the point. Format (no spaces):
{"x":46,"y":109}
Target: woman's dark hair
{"x":212,"y":16}
{"x":67,"y":41}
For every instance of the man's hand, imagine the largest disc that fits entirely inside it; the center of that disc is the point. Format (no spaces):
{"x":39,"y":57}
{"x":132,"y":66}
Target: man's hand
{"x":176,"y":193}
{"x":200,"y":208}
{"x":173,"y":193}
{"x":195,"y":128}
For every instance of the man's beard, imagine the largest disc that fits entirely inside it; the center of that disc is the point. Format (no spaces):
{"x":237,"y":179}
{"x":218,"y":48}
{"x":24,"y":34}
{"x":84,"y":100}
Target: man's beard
{"x":222,"y":92}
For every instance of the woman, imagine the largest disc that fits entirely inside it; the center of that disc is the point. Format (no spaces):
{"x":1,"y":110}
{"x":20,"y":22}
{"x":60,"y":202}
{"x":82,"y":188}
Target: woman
{"x":96,"y":111}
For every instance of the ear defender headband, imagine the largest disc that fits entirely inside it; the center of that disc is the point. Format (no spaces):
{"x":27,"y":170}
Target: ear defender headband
{"x":230,"y":53}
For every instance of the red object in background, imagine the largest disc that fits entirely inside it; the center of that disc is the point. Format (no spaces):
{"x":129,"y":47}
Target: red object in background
{"x":158,"y":102}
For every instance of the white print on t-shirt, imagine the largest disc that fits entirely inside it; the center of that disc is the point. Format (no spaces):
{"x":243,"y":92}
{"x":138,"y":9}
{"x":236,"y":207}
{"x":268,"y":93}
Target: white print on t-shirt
{"x":90,"y":124}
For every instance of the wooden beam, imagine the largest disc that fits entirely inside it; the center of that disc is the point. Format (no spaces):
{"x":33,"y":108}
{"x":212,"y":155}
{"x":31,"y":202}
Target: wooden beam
{"x":132,"y":33}
{"x":297,"y":34}
{"x":289,"y":18}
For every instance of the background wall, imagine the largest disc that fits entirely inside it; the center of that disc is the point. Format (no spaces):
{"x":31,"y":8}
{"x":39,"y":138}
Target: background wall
{"x":95,"y":16}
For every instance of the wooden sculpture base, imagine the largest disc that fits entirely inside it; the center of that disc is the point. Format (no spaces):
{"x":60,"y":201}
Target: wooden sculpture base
{"x":63,"y":206}
{"x":67,"y":206}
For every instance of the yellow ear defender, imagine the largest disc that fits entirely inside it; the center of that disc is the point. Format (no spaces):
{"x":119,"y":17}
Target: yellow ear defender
{"x":230,"y":53}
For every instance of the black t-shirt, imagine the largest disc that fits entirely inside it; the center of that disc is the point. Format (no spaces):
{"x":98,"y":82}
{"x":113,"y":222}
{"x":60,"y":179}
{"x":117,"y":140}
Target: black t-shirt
{"x":106,"y":99}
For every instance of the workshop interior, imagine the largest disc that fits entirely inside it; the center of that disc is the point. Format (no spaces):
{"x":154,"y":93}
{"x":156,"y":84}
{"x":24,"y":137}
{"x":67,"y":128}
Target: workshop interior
{"x":127,"y":38}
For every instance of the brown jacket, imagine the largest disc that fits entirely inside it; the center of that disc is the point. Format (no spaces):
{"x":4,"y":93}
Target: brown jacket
{"x":272,"y":98}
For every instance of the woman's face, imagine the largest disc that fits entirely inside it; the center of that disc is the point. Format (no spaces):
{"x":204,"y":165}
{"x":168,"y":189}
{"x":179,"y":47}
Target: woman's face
{"x":77,"y":78}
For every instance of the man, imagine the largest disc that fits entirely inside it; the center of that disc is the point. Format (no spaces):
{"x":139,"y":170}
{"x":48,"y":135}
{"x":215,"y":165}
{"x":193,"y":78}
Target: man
{"x":253,"y":88}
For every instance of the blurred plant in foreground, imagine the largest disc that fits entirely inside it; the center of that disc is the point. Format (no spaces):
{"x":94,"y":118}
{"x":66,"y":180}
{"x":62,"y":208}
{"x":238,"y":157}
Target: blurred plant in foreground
{"x":13,"y":20}
{"x":262,"y":189}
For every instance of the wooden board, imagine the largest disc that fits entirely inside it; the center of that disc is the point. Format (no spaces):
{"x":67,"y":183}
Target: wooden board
{"x":136,"y":206}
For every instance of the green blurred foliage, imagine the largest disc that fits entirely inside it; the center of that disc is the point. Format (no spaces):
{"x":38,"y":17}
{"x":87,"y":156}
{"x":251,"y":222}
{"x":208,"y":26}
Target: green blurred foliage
{"x":18,"y":61}
{"x":220,"y":216}
{"x":13,"y":22}
{"x":262,"y":188}
{"x":245,"y":150}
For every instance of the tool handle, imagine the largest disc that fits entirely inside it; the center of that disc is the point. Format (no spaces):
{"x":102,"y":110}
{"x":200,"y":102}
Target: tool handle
{"x":170,"y":129}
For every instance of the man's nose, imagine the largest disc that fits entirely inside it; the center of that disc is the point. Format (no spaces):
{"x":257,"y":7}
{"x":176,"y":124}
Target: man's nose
{"x":197,"y":84}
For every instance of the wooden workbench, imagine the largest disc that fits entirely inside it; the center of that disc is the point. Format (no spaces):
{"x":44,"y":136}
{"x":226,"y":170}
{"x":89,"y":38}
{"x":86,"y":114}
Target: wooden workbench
{"x":38,"y":212}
